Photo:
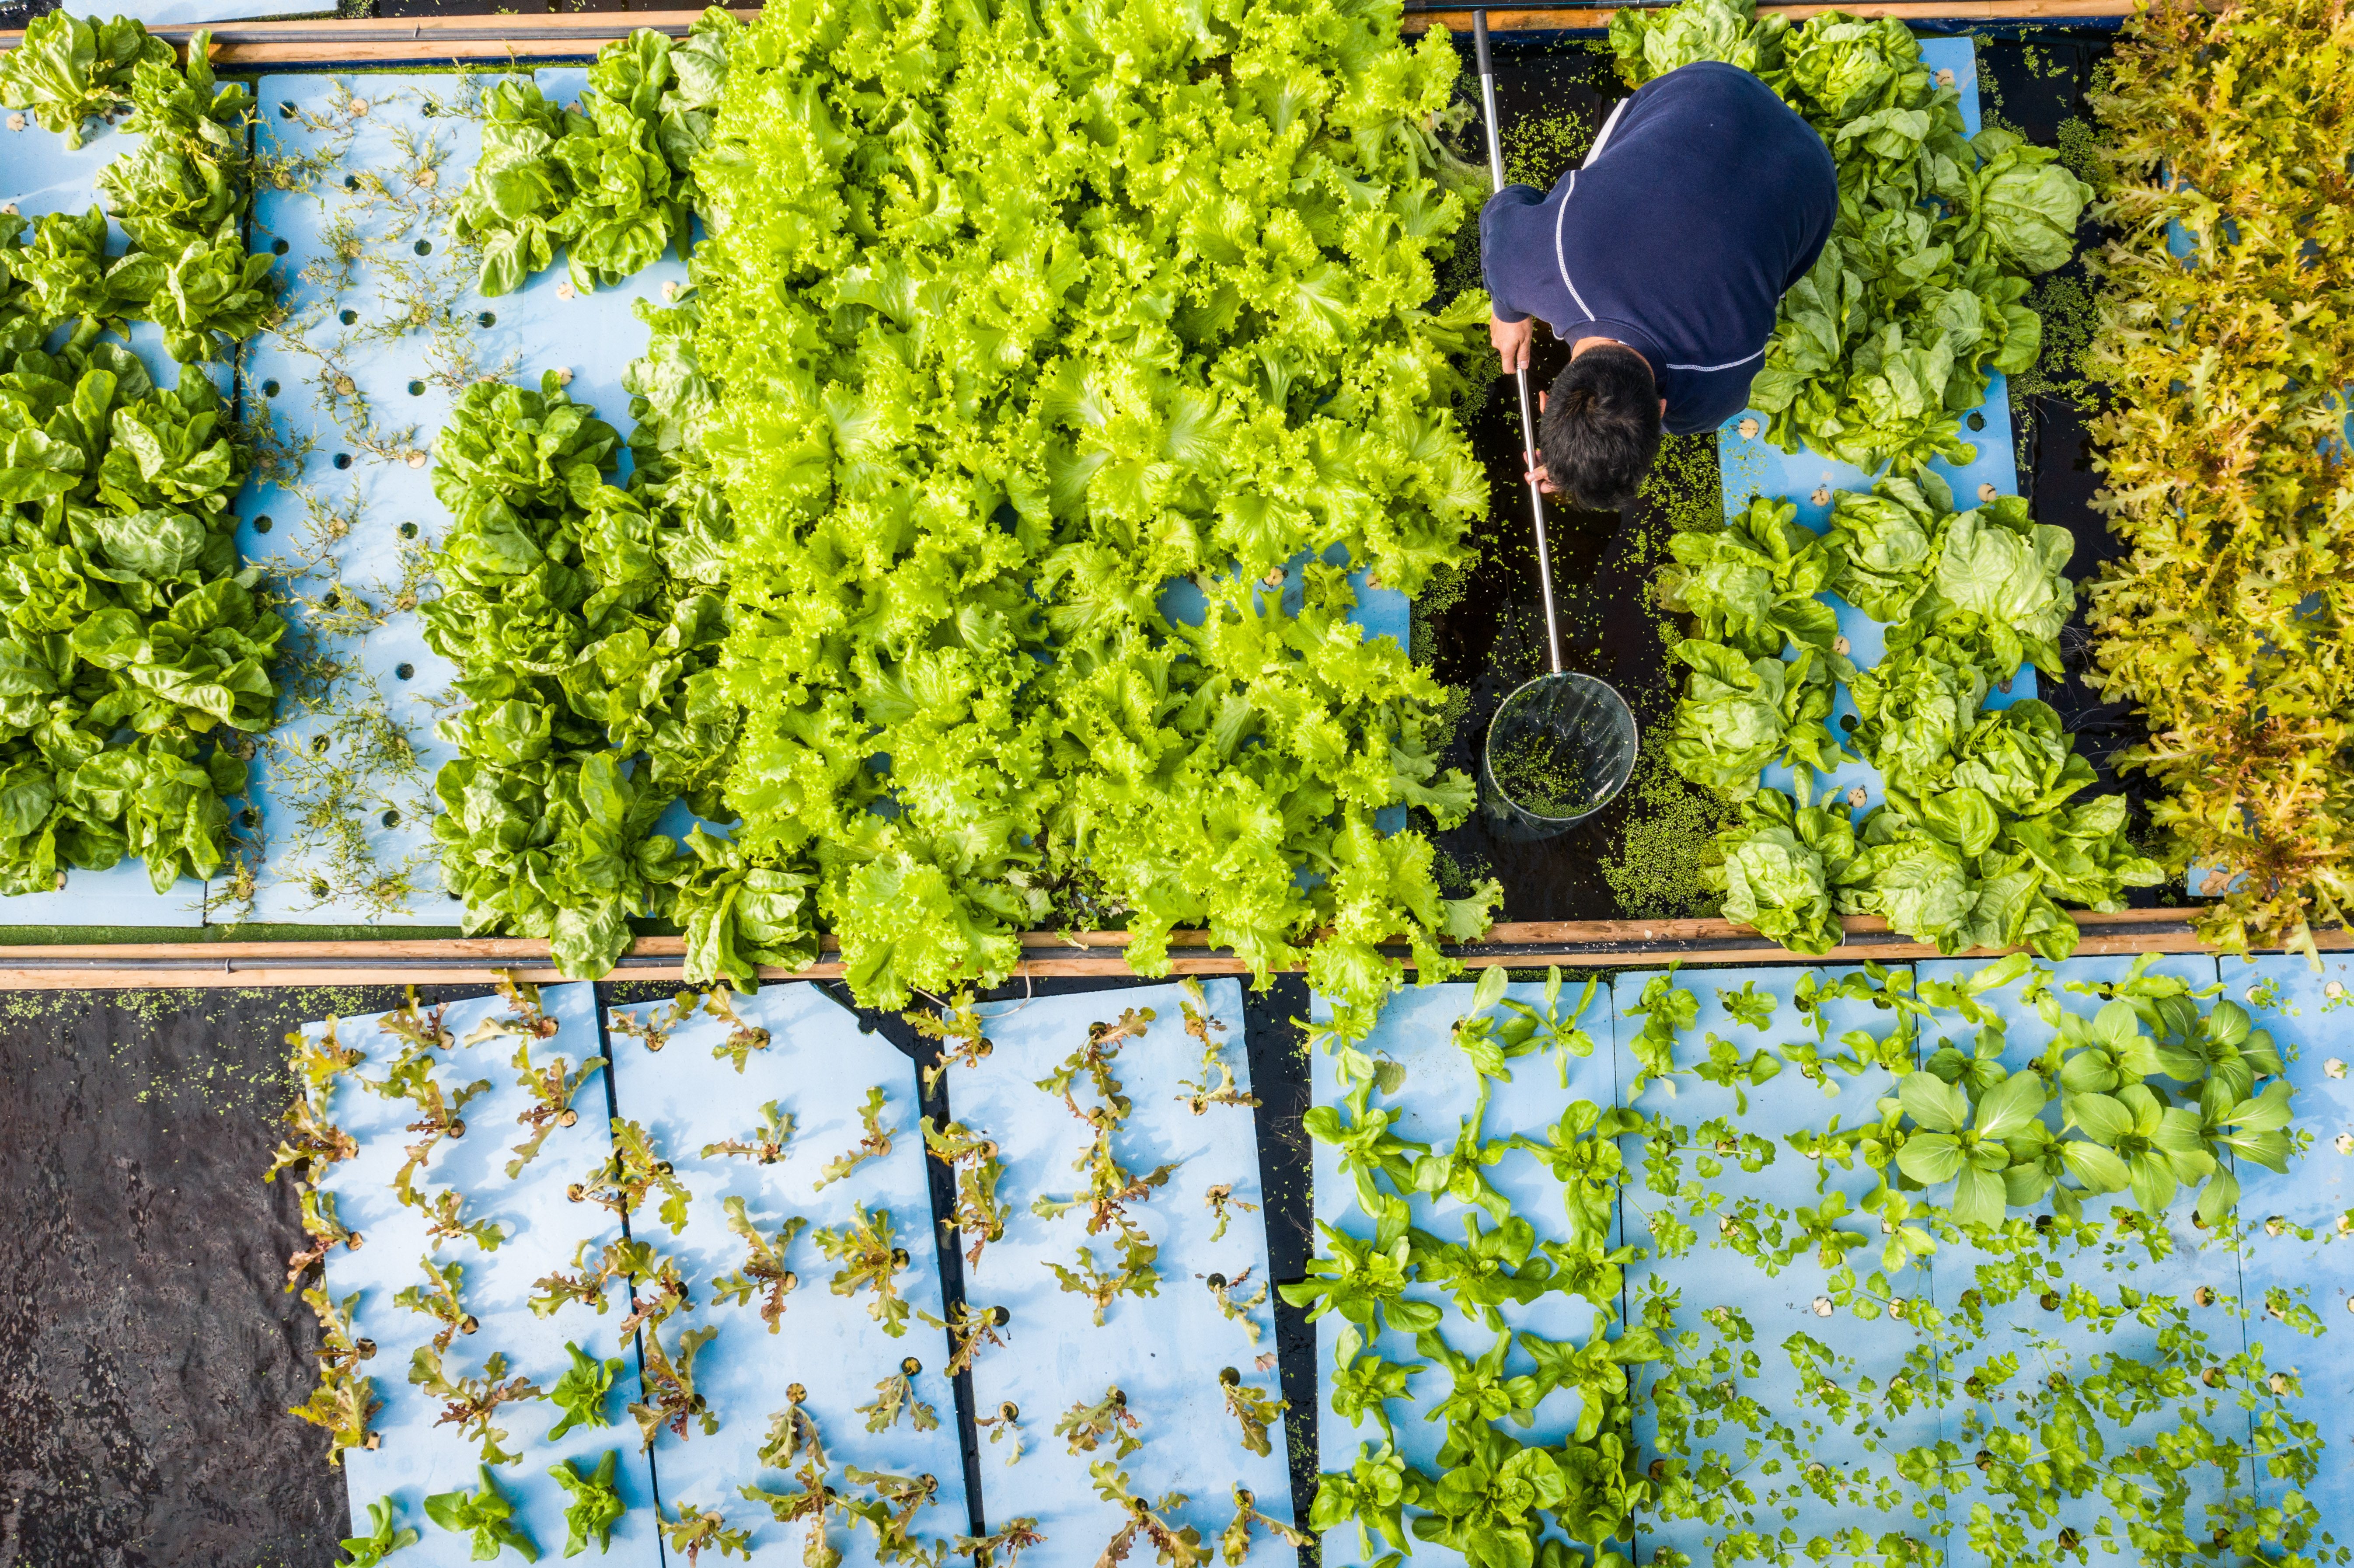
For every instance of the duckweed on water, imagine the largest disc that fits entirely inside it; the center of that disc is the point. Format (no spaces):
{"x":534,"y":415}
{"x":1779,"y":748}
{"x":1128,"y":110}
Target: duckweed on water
{"x":1542,"y":776}
{"x":1654,"y":872}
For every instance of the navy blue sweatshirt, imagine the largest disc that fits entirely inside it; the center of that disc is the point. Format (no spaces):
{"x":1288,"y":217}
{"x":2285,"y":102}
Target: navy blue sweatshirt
{"x":1704,"y":198}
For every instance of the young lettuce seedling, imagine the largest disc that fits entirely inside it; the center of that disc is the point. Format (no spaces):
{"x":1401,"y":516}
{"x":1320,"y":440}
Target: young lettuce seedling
{"x":1372,"y":1494}
{"x":581,"y":1392}
{"x":969,"y":1328}
{"x":1204,"y":1029}
{"x":697,"y":1530}
{"x":486,"y":1515}
{"x":597,"y":1505}
{"x":1180,"y":1546}
{"x":1364,"y":1385}
{"x":1138,"y":1275}
{"x":767,"y":1144}
{"x":1110,"y":1188}
{"x":763,"y":1273}
{"x":892,"y":1512}
{"x":874,"y":1144}
{"x":659,"y":1023}
{"x":1093,"y":1061}
{"x":1484,"y":1270}
{"x":1581,"y":1152}
{"x":326,"y":1231}
{"x":960,"y":1032}
{"x":381,"y":1540}
{"x":1491,"y":1040}
{"x":438,"y":1300}
{"x":743,"y":1038}
{"x":628,"y":1173}
{"x":898,"y":1392}
{"x":1086,"y":1426}
{"x":1235,"y":1541}
{"x":1218,"y":1200}
{"x":523,"y":1019}
{"x":552,"y":1088}
{"x":1233,"y":1306}
{"x":981,"y":1213}
{"x":793,"y":1434}
{"x":622,"y":1260}
{"x":1008,"y":1544}
{"x":1460,"y":1172}
{"x":1006,"y":1424}
{"x":1364,"y":1281}
{"x":446,"y":1221}
{"x":655,"y":1297}
{"x":316,"y":1141}
{"x":337,"y":1350}
{"x":1256,"y":1411}
{"x":1727,"y":1069}
{"x":1368,"y":1149}
{"x":669,"y":1385}
{"x":870,"y":1262}
{"x":417,"y":1028}
{"x":807,"y":1506}
{"x":410,"y":1077}
{"x":343,"y":1401}
{"x":1480,"y":1391}
{"x":1665,"y":1008}
{"x":470,"y":1403}
{"x":322,"y":1062}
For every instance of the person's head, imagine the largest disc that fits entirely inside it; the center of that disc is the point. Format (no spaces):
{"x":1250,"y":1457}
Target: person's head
{"x":1600,"y":428}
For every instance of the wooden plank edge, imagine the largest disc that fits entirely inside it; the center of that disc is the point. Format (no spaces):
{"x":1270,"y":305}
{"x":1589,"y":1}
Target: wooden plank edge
{"x":496,"y":950}
{"x":135,"y":970}
{"x":473,"y":40}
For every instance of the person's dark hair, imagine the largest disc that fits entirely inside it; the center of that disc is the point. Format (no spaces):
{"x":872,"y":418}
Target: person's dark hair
{"x":1600,"y":428}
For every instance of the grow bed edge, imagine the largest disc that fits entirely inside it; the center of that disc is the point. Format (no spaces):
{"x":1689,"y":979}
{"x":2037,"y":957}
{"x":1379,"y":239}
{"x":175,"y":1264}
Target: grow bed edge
{"x":1577,"y":944}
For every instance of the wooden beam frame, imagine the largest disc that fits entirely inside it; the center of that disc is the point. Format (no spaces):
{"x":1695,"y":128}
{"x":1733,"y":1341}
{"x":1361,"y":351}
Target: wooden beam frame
{"x":462,"y":41}
{"x":1572,"y":944}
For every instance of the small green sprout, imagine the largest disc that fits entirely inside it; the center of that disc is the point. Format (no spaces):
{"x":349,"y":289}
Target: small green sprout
{"x":1084,"y":1427}
{"x":596,"y":1506}
{"x":381,"y":1540}
{"x":581,"y":1392}
{"x":486,"y":1515}
{"x":875,"y":1143}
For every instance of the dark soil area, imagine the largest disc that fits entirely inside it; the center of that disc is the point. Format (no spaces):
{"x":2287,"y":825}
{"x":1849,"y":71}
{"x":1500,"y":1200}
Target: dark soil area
{"x":148,"y":1346}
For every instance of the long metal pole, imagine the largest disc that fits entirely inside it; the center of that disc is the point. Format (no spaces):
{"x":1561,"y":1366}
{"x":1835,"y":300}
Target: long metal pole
{"x":1528,"y":420}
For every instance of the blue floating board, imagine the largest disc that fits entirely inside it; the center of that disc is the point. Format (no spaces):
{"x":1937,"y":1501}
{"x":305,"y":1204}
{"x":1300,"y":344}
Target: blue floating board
{"x":417,"y":1457}
{"x":2288,"y":996}
{"x":593,"y":335}
{"x":1164,"y":1351}
{"x":163,"y":13}
{"x":820,"y":1065}
{"x":2017,"y":1327}
{"x":1713,"y":1275}
{"x":1415,"y":1031}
